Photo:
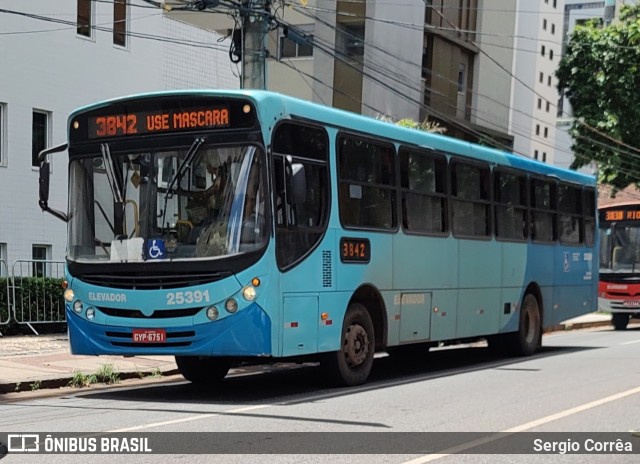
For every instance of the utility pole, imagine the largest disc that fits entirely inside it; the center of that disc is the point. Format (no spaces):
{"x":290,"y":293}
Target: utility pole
{"x":255,"y":30}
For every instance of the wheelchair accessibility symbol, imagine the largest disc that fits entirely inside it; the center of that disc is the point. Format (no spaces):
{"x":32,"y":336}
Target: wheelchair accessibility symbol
{"x":156,"y":249}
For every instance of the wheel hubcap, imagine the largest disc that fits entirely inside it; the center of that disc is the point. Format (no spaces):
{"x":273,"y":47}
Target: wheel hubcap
{"x":356,"y":345}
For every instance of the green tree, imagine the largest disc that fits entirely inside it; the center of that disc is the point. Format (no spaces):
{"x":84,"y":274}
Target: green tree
{"x":426,"y":125}
{"x":600,"y":74}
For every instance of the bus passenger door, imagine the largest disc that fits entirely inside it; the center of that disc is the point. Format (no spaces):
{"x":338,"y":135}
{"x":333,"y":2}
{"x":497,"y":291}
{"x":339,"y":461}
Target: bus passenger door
{"x":415,"y":316}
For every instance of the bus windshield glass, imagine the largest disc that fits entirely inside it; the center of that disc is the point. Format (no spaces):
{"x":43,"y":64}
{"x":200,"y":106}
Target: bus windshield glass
{"x":199,"y":201}
{"x":620,"y":248}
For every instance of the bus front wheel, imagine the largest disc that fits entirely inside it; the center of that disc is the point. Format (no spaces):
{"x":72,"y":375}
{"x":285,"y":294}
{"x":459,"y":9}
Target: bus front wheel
{"x":620,"y":320}
{"x":203,"y":369}
{"x":526,"y":340}
{"x":352,"y":364}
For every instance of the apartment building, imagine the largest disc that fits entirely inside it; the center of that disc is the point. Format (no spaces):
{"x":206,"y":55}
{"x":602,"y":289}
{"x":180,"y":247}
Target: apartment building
{"x":58,"y":55}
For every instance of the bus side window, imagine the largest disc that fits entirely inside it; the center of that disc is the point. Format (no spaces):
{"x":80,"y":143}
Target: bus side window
{"x":367,"y":194}
{"x":470,"y":206}
{"x":424,"y":191}
{"x":543,"y":214}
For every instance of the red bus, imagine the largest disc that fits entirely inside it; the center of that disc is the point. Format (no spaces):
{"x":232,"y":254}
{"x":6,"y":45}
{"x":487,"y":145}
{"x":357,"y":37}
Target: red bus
{"x":619,"y":287}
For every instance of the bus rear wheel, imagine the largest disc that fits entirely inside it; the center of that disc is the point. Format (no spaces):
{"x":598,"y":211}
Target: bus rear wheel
{"x":526,"y":340}
{"x":620,"y":321}
{"x":203,"y":369}
{"x":352,"y":364}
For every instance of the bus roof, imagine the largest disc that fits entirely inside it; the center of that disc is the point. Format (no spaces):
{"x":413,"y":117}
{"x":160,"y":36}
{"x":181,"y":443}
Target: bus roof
{"x":290,"y":107}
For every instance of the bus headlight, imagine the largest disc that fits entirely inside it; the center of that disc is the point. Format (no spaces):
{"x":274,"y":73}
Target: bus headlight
{"x":212,"y":313}
{"x":249,"y":293}
{"x":231,"y":305}
{"x":77,"y":306}
{"x":91,"y":313}
{"x":69,"y":295}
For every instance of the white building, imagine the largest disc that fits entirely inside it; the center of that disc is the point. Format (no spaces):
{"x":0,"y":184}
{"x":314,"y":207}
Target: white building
{"x":534,"y":95}
{"x":575,"y":12}
{"x":51,"y":64}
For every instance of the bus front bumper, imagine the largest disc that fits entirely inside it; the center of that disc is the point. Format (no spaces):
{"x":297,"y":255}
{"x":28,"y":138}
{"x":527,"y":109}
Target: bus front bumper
{"x":247,"y":333}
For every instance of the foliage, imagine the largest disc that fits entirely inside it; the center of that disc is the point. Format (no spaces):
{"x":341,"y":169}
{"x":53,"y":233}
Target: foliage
{"x":426,"y":125}
{"x":37,"y":299}
{"x":600,"y":75}
{"x":80,"y":380}
{"x":107,"y":374}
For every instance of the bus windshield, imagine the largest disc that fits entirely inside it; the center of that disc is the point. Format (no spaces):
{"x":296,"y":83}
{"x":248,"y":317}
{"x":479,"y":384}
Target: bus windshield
{"x":184,"y":202}
{"x":620,"y":248}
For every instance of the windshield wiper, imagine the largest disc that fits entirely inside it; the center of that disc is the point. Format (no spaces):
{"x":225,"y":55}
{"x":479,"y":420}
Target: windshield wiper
{"x":107,"y":159}
{"x":180,"y":172}
{"x":185,"y":165}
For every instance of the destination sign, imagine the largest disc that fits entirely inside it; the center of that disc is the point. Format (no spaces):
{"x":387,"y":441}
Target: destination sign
{"x":622,"y":214}
{"x":144,"y":123}
{"x":162,"y":115}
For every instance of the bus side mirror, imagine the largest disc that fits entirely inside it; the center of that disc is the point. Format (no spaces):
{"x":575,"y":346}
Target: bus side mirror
{"x":43,"y":182}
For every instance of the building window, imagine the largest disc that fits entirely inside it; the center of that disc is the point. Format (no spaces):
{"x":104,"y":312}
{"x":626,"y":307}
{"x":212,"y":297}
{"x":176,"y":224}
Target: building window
{"x":462,"y":72}
{"x":539,"y":103}
{"x":39,"y":135}
{"x":546,"y":133}
{"x":3,"y":112}
{"x":548,"y":106}
{"x":544,"y":24}
{"x":553,"y":29}
{"x":549,"y":81}
{"x":298,"y":43}
{"x":555,"y":3}
{"x":351,"y":40}
{"x":85,"y":18}
{"x":537,"y":129}
{"x":541,"y":78}
{"x":551,"y":54}
{"x":535,"y":154}
{"x":544,"y":156}
{"x":543,"y":50}
{"x":39,"y":256}
{"x":120,"y":22}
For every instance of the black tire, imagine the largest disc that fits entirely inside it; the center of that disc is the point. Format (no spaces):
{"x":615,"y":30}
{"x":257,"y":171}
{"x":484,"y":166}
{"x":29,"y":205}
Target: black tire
{"x":620,"y":320}
{"x":352,"y":364}
{"x":203,"y":370}
{"x":527,"y":339}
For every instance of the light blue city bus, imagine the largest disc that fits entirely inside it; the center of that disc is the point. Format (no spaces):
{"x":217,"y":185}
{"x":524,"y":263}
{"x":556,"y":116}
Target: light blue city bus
{"x":226,"y":227}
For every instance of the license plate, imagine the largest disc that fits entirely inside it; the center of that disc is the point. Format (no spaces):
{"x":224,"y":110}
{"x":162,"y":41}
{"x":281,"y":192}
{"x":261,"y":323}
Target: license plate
{"x":149,"y":335}
{"x":631,"y":304}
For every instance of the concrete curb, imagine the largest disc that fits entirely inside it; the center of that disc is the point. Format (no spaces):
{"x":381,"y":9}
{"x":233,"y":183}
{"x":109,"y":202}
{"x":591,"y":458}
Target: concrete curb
{"x":61,"y":382}
{"x":577,"y":326}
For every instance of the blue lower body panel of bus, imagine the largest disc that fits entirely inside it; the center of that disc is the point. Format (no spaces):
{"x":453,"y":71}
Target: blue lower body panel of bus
{"x":247,"y":333}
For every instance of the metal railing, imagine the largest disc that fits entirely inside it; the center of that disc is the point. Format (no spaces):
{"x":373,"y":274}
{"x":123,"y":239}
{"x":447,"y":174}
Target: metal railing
{"x":5,"y":305}
{"x":34,"y":292}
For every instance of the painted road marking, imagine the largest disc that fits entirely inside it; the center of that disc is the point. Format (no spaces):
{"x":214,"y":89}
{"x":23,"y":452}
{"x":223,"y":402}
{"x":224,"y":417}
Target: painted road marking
{"x":631,"y":342}
{"x":523,"y":427}
{"x":190,"y":418}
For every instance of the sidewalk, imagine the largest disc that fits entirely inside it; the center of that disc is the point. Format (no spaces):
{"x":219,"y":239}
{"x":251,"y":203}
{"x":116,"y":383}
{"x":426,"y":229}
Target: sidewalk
{"x":32,"y":362}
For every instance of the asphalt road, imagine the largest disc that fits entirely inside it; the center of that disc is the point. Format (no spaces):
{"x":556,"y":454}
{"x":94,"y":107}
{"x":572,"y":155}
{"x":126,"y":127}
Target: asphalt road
{"x":581,"y":381}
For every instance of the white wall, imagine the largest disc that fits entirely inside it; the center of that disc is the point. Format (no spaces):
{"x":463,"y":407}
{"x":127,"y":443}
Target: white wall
{"x":527,"y":88}
{"x":47,"y":66}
